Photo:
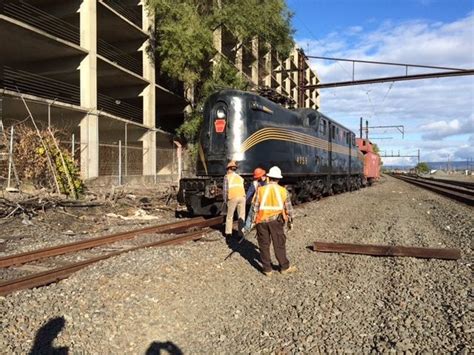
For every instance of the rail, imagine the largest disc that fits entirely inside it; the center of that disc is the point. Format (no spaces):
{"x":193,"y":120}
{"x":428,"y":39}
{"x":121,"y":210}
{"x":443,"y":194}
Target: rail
{"x":41,"y":86}
{"x":54,"y":275}
{"x":446,"y":188}
{"x":127,"y":12}
{"x":118,"y":56}
{"x":119,"y":108}
{"x":28,"y":83}
{"x":22,"y":11}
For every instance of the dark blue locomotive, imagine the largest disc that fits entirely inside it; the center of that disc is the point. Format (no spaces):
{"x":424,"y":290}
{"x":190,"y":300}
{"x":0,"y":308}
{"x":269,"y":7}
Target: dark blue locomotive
{"x":317,"y":155}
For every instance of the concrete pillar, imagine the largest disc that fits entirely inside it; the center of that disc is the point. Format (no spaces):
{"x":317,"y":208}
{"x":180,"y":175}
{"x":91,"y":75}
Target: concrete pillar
{"x":239,"y":57}
{"x":88,"y":75}
{"x":255,"y":61}
{"x":217,"y":40}
{"x":149,"y":103}
{"x":268,"y":69}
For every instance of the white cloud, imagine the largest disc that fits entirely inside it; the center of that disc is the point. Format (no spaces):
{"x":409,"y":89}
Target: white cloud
{"x":434,"y":109}
{"x":442,"y":129}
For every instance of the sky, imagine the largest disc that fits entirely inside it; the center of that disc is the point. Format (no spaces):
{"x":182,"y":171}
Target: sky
{"x":437,"y":114}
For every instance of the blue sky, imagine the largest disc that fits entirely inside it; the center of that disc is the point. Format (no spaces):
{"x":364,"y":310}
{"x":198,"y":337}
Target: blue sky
{"x":438,"y":114}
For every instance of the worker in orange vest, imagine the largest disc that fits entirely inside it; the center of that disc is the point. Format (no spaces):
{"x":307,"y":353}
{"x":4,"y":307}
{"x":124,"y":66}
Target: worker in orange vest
{"x":234,"y":196}
{"x":272,"y":208}
{"x":259,"y":179}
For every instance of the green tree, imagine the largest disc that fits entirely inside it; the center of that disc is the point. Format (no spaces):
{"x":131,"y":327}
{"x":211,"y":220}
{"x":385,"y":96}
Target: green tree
{"x":376,"y":148}
{"x":184,"y":50}
{"x":422,"y":167}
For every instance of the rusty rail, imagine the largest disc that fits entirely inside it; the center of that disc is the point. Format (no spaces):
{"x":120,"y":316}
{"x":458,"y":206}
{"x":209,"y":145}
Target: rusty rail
{"x":174,"y":227}
{"x":55,"y":275}
{"x":387,"y":250}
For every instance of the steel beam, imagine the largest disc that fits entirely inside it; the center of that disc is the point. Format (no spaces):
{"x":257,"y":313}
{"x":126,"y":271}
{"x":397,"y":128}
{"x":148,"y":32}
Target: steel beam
{"x":384,"y":63}
{"x":392,"y":78}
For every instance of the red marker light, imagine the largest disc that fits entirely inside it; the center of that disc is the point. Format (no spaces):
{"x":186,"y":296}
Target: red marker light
{"x":219,"y":125}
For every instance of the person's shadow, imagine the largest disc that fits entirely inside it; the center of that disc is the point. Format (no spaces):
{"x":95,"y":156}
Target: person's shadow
{"x":246,"y":249}
{"x":45,"y":336}
{"x":169,"y":347}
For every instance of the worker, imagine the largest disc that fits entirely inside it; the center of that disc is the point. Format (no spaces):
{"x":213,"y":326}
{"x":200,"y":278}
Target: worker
{"x":259,"y":179}
{"x":234,"y":196}
{"x":272,"y":208}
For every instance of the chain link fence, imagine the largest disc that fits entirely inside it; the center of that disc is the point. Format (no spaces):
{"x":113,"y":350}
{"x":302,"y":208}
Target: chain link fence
{"x":115,"y":160}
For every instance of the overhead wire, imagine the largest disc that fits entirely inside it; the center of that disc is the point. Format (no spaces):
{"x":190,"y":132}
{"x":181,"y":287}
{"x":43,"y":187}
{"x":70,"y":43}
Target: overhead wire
{"x":367,"y":91}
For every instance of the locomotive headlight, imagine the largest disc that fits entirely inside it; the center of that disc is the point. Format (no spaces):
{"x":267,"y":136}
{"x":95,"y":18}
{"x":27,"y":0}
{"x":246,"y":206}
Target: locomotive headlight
{"x":220,"y":112}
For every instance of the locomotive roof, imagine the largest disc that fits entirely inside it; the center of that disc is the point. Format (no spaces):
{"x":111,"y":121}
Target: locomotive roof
{"x":301,"y":111}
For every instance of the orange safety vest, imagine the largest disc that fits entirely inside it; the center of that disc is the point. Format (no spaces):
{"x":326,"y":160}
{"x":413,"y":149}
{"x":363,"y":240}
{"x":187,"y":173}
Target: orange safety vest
{"x":271,"y":199}
{"x":235,"y":186}
{"x":256,"y":184}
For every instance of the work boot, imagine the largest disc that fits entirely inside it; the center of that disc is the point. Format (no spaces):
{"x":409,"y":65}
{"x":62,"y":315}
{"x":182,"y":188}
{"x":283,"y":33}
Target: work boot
{"x":290,"y":270}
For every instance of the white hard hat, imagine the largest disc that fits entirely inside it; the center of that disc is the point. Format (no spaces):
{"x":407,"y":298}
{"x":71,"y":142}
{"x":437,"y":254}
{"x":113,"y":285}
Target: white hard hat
{"x":275,"y":173}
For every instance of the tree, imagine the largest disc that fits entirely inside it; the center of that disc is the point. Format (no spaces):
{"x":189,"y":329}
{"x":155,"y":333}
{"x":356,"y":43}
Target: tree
{"x":422,"y":167}
{"x":183,"y":43}
{"x":376,"y":148}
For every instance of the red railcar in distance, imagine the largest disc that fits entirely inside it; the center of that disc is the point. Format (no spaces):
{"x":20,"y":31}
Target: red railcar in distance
{"x":371,"y":160}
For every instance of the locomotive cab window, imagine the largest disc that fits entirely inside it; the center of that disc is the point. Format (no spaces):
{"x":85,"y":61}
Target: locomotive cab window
{"x":313,"y":120}
{"x":333,"y":132}
{"x":322,"y":127}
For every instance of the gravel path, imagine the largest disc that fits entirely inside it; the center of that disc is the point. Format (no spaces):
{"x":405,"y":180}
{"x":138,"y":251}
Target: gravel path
{"x":189,"y":299}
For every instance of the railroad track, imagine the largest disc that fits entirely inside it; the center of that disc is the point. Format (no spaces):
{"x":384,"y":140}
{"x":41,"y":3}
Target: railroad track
{"x":466,"y":184}
{"x":50,"y":276}
{"x":460,"y":191}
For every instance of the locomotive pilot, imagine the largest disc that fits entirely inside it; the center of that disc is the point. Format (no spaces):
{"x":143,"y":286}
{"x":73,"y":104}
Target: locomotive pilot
{"x":272,"y":208}
{"x":234,"y":196}
{"x":259,"y":179}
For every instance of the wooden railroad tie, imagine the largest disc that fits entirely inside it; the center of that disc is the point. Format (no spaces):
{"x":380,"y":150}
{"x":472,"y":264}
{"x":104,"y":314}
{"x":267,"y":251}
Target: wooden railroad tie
{"x":387,"y":250}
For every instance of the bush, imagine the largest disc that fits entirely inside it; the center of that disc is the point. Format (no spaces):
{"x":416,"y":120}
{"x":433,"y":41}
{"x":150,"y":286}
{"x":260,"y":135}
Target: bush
{"x":32,"y":165}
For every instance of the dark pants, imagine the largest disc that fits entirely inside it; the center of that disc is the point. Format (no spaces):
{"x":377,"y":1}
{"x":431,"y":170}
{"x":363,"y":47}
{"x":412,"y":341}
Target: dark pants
{"x":272,"y":232}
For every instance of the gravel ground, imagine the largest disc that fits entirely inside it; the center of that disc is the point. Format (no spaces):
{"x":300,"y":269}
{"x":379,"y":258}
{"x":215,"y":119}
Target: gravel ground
{"x":190,"y":299}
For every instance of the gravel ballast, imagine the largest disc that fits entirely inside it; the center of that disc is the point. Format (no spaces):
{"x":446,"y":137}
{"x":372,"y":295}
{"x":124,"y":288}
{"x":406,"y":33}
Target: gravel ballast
{"x":188,"y":298}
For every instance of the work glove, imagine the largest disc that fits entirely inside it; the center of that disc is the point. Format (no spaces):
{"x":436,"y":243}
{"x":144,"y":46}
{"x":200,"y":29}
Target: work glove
{"x":289,"y":224}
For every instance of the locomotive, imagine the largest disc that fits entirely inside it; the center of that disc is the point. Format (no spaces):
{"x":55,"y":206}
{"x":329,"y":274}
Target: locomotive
{"x":317,"y":155}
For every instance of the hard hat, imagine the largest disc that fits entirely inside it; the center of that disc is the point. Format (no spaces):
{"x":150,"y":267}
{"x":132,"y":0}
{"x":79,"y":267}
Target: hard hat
{"x":275,"y":173}
{"x":258,"y":173}
{"x":232,"y":164}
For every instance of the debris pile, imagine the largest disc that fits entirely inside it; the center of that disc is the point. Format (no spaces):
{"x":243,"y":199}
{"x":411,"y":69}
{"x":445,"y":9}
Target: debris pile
{"x":31,"y":206}
{"x":40,"y":159}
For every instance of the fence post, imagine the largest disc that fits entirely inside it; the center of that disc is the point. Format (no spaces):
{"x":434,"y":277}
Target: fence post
{"x":155,"y":177}
{"x":179,"y":152}
{"x":120,"y":163}
{"x":10,"y":158}
{"x":73,"y":146}
{"x":126,"y":149}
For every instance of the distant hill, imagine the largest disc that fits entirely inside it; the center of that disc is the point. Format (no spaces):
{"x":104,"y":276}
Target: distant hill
{"x":453,"y":165}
